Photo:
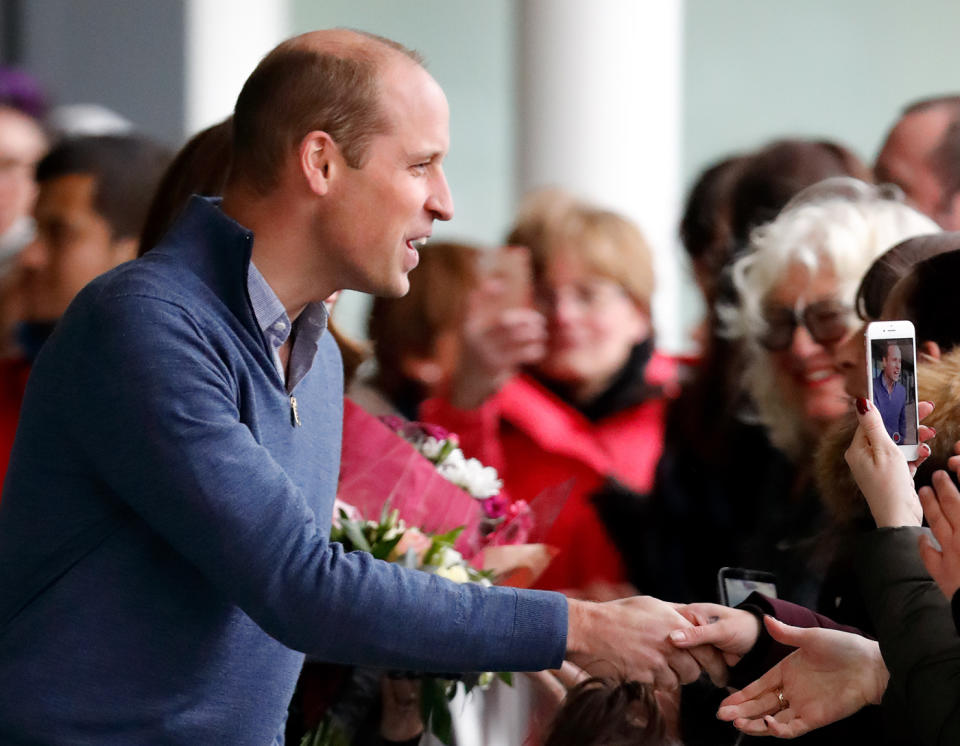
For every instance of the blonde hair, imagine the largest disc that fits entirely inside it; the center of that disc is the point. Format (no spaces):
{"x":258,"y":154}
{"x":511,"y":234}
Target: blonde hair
{"x":843,"y":230}
{"x":552,"y":222}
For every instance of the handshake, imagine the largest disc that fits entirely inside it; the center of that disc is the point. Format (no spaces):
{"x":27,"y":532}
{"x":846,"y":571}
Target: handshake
{"x":644,"y":639}
{"x":830,"y":675}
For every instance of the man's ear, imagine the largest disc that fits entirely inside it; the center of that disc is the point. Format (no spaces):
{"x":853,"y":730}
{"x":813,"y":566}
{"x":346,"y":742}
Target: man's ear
{"x":319,"y":161}
{"x":930,"y":349}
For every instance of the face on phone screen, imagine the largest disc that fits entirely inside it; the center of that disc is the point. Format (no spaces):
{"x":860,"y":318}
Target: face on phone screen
{"x":894,"y":387}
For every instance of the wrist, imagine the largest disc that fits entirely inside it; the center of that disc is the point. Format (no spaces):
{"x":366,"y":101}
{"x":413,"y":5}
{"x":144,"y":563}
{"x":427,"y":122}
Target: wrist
{"x":898,"y":517}
{"x":880,"y":677}
{"x":580,"y":620}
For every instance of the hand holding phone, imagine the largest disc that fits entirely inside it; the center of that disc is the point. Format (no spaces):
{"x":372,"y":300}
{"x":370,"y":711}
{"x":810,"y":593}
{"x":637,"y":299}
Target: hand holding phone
{"x":892,"y":380}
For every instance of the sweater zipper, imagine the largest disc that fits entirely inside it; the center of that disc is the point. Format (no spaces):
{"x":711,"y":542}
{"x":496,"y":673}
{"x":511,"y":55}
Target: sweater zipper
{"x":294,"y":413}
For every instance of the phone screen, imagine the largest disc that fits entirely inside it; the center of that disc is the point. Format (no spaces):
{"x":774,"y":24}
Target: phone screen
{"x":894,"y":375}
{"x":739,"y":588}
{"x":736,"y":583}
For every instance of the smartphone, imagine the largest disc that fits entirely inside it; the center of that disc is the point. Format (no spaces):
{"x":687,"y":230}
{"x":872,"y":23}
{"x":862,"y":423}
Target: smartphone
{"x":507,"y":275}
{"x":736,"y":583}
{"x":892,"y":380}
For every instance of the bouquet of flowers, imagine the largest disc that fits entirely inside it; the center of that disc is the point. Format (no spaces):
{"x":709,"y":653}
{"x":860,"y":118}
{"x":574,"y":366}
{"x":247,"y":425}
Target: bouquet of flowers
{"x":391,"y":539}
{"x":502,"y":522}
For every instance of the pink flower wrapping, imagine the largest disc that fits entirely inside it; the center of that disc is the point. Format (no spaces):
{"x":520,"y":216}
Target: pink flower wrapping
{"x":377,"y":465}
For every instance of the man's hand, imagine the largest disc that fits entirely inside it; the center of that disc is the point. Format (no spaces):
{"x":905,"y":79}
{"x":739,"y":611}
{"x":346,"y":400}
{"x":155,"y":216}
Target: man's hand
{"x":884,"y":477}
{"x":830,"y":676}
{"x":941,"y":506}
{"x":629,"y":639}
{"x":732,"y":631}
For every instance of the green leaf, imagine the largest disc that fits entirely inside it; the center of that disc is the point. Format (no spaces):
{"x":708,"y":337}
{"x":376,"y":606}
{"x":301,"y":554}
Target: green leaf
{"x":383,"y":548}
{"x":355,"y":534}
{"x":506,"y":677}
{"x":435,"y":710}
{"x":445,"y":450}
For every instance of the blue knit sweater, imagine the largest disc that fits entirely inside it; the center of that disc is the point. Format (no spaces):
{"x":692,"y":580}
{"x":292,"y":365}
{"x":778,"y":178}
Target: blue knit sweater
{"x":164,"y":561}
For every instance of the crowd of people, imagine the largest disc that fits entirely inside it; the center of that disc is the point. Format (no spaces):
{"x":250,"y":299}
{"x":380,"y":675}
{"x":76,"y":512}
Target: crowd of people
{"x":181,"y":424}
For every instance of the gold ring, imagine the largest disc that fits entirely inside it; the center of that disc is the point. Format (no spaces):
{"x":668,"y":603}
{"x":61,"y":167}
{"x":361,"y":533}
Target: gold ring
{"x":784,"y":704}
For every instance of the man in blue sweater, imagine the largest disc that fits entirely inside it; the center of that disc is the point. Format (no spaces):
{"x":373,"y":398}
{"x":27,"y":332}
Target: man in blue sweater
{"x":164,"y":554}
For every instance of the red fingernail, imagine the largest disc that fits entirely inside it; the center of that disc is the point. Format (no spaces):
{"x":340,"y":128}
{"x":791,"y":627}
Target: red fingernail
{"x":863,"y":406}
{"x":931,"y":429}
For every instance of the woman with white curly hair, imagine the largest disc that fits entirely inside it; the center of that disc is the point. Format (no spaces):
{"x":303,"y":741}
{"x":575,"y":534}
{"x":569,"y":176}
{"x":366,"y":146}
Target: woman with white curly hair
{"x":796,"y":291}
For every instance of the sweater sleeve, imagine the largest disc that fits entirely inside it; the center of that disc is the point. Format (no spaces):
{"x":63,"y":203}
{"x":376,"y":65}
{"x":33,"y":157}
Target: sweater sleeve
{"x":915,"y":628}
{"x":162,"y":428}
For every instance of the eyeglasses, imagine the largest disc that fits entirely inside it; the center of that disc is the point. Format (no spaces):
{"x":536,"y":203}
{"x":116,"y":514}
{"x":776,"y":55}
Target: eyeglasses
{"x":827,"y":321}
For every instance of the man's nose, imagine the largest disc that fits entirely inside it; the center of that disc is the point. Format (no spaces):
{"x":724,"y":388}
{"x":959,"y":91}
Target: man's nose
{"x":33,"y":255}
{"x":440,"y":201}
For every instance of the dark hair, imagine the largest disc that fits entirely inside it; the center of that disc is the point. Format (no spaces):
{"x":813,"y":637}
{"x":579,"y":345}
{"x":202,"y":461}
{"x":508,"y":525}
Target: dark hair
{"x":436,"y":302}
{"x":947,"y":100}
{"x":705,"y":228}
{"x":930,"y":294}
{"x":774,"y":174}
{"x":297,"y":89}
{"x":125,"y":168}
{"x":895,"y":263}
{"x":201,"y":166}
{"x":599,"y":712}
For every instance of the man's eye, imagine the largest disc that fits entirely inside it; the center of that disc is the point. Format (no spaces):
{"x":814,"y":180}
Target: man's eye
{"x":420,"y":168}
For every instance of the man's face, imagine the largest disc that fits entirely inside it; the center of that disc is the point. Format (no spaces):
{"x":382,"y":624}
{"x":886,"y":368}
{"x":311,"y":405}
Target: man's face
{"x":22,"y":144}
{"x":891,"y":364}
{"x":73,"y":245}
{"x":905,"y":160}
{"x":387,"y":207}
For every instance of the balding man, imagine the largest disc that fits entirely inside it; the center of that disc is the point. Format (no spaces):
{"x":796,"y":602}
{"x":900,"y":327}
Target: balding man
{"x":164,"y":553}
{"x":921,"y":155}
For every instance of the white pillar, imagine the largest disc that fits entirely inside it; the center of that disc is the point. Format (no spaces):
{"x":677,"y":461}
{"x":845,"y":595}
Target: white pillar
{"x":223,"y":42}
{"x":600,"y":115}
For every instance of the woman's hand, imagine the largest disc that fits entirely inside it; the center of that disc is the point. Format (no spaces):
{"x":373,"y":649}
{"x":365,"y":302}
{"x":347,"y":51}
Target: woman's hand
{"x":884,"y":477}
{"x":830,"y":676}
{"x":732,"y":631}
{"x":496,"y":343}
{"x":941,"y":506}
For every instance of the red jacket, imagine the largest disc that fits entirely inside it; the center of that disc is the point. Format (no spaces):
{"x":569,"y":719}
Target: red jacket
{"x":13,"y":382}
{"x":537,"y":441}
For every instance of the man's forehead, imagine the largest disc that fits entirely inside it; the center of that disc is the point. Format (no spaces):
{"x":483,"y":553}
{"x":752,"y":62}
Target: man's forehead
{"x":72,"y":191}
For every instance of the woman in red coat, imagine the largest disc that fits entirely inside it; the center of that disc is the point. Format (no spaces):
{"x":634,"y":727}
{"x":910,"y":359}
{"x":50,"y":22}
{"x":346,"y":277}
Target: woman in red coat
{"x":566,"y":396}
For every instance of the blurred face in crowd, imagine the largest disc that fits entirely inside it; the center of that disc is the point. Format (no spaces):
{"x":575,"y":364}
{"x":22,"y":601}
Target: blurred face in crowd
{"x":592,"y":324}
{"x":906,"y":160}
{"x":73,"y":245}
{"x":811,"y":380}
{"x":22,"y":144}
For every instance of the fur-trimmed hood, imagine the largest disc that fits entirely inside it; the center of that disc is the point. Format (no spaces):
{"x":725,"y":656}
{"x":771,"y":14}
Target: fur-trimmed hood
{"x":939,"y":382}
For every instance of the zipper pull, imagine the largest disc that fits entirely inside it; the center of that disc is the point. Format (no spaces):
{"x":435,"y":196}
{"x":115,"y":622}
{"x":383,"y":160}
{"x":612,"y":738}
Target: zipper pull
{"x":294,"y":414}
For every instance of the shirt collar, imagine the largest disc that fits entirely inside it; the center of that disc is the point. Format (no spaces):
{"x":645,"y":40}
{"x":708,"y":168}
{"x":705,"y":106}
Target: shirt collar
{"x":275,"y":324}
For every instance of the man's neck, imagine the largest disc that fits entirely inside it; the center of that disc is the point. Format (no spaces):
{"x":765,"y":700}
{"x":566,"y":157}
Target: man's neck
{"x":889,"y":383}
{"x":280,"y":251}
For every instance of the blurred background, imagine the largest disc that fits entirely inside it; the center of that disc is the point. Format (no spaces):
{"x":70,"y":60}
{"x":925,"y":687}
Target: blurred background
{"x":621,"y":101}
